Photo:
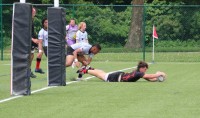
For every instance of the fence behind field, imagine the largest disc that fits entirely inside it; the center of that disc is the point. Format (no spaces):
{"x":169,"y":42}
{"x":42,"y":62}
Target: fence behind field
{"x":109,"y":25}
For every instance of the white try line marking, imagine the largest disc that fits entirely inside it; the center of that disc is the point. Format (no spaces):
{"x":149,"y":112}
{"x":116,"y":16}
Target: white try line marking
{"x":6,"y":64}
{"x":46,"y":88}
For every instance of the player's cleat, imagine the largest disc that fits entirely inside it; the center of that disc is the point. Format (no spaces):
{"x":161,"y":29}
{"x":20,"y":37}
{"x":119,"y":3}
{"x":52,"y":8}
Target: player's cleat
{"x":89,"y":68}
{"x":32,"y":75}
{"x":82,"y":70}
{"x":39,"y":71}
{"x":80,"y":75}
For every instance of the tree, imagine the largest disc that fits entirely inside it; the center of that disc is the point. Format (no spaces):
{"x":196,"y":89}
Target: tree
{"x":135,"y":33}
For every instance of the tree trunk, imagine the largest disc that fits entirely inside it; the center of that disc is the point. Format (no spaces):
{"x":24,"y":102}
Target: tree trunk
{"x":135,"y":32}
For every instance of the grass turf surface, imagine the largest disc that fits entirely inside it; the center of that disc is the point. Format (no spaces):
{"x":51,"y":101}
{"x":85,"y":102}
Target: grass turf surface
{"x":177,"y":97}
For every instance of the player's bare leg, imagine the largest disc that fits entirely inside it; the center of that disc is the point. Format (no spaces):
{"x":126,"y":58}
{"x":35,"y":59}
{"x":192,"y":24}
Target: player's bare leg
{"x":95,"y":72}
{"x":69,"y":60}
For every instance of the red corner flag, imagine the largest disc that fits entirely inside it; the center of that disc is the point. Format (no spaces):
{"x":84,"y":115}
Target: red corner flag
{"x":155,"y":35}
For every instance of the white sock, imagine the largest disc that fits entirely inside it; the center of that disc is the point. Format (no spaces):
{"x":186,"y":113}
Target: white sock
{"x":73,"y":64}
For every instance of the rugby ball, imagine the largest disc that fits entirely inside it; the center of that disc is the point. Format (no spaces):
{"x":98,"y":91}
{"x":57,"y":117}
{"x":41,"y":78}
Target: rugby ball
{"x":161,"y":78}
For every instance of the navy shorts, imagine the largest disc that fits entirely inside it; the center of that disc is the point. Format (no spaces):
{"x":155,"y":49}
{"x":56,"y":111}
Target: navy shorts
{"x":114,"y":77}
{"x":33,"y":45}
{"x":70,"y":50}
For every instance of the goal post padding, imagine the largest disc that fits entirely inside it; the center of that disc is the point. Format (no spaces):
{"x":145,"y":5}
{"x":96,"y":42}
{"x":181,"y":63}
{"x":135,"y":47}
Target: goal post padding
{"x":21,"y":49}
{"x":56,"y":46}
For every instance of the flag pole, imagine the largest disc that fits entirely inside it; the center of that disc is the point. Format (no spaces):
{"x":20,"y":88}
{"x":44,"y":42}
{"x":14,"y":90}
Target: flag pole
{"x":153,"y":52}
{"x":155,"y":35}
{"x":153,"y":46}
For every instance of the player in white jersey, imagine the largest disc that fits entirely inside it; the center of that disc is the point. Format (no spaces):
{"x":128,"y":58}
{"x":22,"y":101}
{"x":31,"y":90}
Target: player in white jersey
{"x":81,"y":34}
{"x":76,"y":52}
{"x":42,"y":45}
{"x":43,"y":37}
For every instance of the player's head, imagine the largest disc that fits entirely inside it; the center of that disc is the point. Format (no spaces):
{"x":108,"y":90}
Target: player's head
{"x":72,"y":22}
{"x":95,"y":49}
{"x":82,"y":26}
{"x":33,"y":12}
{"x":44,"y":23}
{"x":142,"y":66}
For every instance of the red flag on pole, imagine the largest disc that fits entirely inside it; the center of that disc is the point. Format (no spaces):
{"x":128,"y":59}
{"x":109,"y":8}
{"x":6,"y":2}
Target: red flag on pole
{"x":155,"y":35}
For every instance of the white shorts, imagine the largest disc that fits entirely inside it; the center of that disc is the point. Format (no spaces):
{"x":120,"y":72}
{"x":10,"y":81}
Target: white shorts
{"x":106,"y":76}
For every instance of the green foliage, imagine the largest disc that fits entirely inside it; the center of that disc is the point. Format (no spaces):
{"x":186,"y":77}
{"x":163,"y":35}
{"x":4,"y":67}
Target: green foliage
{"x":175,"y":25}
{"x":166,"y":20}
{"x":6,"y":25}
{"x":41,"y":14}
{"x":46,"y":1}
{"x":195,"y":25}
{"x":104,"y":24}
{"x":109,"y":25}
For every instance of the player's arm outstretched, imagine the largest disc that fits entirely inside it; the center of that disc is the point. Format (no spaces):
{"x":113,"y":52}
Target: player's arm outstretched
{"x":154,"y":77}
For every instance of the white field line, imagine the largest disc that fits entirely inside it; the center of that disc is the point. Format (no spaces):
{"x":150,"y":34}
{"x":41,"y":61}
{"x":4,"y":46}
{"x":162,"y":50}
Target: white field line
{"x":10,"y":98}
{"x":6,"y":64}
{"x":46,"y":88}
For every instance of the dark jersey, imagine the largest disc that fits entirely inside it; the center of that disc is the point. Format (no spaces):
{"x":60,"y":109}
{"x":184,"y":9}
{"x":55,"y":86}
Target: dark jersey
{"x":33,"y":31}
{"x":132,"y":77}
{"x":33,"y":36}
{"x":125,"y":77}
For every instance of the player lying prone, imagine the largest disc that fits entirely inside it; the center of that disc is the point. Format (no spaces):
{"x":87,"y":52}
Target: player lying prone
{"x":125,"y":77}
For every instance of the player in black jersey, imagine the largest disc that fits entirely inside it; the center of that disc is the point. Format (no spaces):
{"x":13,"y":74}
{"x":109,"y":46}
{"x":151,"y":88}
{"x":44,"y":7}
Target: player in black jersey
{"x":133,"y":76}
{"x":34,"y":43}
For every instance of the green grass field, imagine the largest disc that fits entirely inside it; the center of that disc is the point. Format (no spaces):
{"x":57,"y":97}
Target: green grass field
{"x":177,"y":97}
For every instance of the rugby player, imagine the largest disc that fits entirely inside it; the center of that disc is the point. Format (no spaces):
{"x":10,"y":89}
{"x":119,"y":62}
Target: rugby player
{"x":133,"y":76}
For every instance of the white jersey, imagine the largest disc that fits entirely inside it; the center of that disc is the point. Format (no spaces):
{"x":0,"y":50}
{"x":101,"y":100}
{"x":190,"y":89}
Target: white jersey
{"x":43,"y":35}
{"x":81,"y":36}
{"x":85,"y":48}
